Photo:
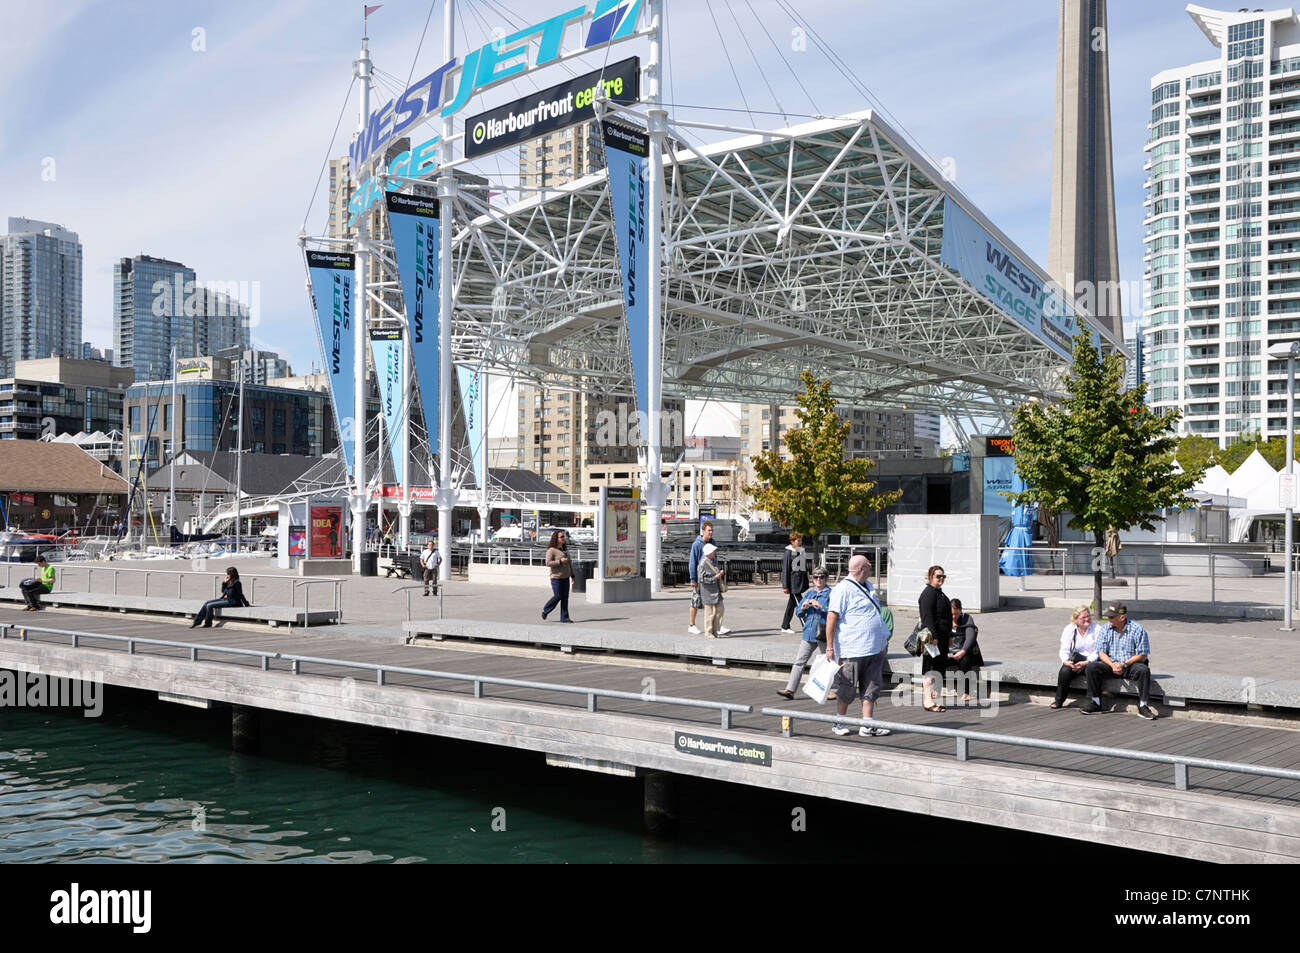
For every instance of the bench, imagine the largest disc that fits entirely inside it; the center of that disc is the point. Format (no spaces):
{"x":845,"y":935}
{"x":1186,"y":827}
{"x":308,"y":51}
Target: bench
{"x":271,"y":615}
{"x":405,"y":566}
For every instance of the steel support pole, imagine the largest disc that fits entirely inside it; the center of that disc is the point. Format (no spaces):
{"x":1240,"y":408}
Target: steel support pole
{"x":654,"y":486}
{"x":361,"y":69}
{"x":446,"y":209}
{"x":1290,"y":470}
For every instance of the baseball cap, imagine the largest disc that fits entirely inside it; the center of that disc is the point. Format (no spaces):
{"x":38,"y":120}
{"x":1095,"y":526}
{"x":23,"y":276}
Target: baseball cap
{"x":1116,"y":608}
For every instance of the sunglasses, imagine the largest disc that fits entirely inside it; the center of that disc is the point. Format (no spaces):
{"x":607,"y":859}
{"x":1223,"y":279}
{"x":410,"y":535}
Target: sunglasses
{"x":940,"y":575}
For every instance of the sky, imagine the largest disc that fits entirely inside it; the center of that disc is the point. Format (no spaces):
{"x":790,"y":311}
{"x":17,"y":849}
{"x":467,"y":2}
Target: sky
{"x":197,"y":131}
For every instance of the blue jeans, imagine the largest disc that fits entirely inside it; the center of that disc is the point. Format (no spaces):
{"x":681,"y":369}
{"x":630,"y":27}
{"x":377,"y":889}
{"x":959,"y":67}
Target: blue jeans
{"x":560,"y":597}
{"x":204,"y":617}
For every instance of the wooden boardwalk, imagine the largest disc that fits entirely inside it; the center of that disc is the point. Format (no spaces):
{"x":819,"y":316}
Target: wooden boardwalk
{"x":1224,"y":816}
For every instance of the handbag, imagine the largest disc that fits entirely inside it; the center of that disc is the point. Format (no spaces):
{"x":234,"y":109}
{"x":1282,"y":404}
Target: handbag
{"x":916,"y":642}
{"x":819,"y":681}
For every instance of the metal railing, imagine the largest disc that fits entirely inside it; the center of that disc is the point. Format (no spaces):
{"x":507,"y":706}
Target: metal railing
{"x":725,"y":709}
{"x":964,"y":737}
{"x":407,"y":590}
{"x":63,"y":570}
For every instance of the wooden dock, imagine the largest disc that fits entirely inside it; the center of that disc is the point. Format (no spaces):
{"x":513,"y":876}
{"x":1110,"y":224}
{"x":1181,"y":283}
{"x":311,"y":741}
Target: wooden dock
{"x":1226,"y":817}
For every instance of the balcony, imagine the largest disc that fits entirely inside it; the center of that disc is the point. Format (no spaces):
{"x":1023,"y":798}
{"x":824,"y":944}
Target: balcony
{"x":1196,"y":162}
{"x":1199,"y":144}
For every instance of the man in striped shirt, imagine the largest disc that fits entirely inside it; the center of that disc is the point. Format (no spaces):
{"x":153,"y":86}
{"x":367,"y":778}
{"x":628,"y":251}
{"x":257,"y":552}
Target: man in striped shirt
{"x":1123,"y":651}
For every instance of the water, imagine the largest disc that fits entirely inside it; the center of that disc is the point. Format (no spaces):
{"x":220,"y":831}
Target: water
{"x":151,"y":781}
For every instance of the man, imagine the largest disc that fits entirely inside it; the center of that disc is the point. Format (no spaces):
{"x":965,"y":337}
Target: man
{"x":856,"y":633}
{"x":693,"y":565}
{"x":1124,"y":651}
{"x":430,"y":559}
{"x":33,"y":589}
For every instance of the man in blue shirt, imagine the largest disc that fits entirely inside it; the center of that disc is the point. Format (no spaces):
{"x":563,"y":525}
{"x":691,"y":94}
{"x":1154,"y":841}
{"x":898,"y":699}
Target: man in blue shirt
{"x":1123,"y":651}
{"x":693,"y":566}
{"x":856,"y":633}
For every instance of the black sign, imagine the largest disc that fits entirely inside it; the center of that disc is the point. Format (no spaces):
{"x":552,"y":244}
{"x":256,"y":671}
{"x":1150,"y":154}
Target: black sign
{"x":630,"y":139}
{"x":724,"y":749}
{"x":330,"y":259}
{"x":550,"y":109}
{"x":411,"y":205}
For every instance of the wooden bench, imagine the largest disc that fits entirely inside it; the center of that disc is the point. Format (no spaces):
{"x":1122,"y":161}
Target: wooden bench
{"x":271,"y":615}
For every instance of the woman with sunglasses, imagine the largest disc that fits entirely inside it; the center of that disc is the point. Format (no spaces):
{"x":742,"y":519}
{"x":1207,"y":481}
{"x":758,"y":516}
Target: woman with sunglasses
{"x":813,"y":606}
{"x":936,"y":615}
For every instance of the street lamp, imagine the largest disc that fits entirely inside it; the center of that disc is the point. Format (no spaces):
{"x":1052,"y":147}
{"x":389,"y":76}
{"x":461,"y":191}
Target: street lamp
{"x":1289,"y":350}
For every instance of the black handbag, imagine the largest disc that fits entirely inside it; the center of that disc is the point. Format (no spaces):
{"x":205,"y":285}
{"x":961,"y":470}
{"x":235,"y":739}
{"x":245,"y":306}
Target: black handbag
{"x":915,"y":643}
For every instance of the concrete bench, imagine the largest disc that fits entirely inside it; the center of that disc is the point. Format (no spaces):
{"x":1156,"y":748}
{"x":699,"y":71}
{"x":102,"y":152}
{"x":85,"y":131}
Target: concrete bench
{"x":271,"y":615}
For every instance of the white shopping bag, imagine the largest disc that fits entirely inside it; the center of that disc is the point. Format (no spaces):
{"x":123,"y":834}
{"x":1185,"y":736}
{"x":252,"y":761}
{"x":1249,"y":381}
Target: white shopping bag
{"x":820,"y":678}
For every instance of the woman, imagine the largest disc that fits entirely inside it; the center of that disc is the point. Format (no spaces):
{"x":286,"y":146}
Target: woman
{"x":966,"y":655}
{"x":936,"y":615}
{"x":794,"y":577}
{"x":1078,"y":648}
{"x":232,"y":595}
{"x":712,"y":585}
{"x":557,"y":561}
{"x":812,"y":613}
{"x":33,"y":589}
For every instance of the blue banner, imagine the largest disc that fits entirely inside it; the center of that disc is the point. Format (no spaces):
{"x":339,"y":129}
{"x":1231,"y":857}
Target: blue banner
{"x":472,"y":393}
{"x":331,"y":275}
{"x":627,"y":156}
{"x":1008,"y":282}
{"x":414,"y":224}
{"x":388,"y":349}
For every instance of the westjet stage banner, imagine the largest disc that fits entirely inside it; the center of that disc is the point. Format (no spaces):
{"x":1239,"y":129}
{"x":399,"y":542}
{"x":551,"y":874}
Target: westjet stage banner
{"x":388,"y":349}
{"x":472,"y":384}
{"x":414,"y":224}
{"x":331,"y":275}
{"x":627,"y":157}
{"x":1007,"y":281}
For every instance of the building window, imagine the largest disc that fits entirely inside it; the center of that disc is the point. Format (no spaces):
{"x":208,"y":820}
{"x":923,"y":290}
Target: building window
{"x":135,"y":418}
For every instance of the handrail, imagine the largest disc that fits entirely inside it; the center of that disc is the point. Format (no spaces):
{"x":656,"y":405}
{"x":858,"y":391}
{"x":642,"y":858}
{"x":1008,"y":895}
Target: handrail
{"x":965,"y":736}
{"x":478,"y":681}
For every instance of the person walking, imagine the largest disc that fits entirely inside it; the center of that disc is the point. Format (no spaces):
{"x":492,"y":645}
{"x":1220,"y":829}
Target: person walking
{"x":936,"y":615}
{"x":813,"y":607}
{"x":712,"y":585}
{"x":693,"y":568}
{"x":232,"y":596}
{"x":430,"y":560}
{"x":1078,"y":648}
{"x":966,"y":655}
{"x":856,"y":634}
{"x":33,"y":589}
{"x":794,"y":577}
{"x":557,"y":562}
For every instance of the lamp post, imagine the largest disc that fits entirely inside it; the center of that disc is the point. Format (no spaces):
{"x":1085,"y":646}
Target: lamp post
{"x":1289,"y":350}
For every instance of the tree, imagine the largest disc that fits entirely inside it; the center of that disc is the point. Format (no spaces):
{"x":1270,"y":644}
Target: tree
{"x":816,"y":489}
{"x":1197,"y":453}
{"x":1101,"y":453}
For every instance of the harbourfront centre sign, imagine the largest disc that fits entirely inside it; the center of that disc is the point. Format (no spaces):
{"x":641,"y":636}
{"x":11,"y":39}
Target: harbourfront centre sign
{"x":481,"y":69}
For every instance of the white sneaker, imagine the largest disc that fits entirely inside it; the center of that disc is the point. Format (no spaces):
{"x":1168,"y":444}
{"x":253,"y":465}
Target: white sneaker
{"x":841,"y":729}
{"x":787,"y":631}
{"x":694,"y":630}
{"x":723,"y":630}
{"x":872,"y":732}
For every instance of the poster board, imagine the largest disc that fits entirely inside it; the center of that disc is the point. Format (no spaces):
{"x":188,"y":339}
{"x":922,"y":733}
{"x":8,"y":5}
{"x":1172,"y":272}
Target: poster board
{"x":619,"y":532}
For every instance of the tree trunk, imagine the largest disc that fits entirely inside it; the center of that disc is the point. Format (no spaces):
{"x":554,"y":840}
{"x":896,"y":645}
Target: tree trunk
{"x":1099,"y":549}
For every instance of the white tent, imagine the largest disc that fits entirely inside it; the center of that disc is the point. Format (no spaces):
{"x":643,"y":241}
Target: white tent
{"x":1214,"y":480}
{"x":1256,"y":482}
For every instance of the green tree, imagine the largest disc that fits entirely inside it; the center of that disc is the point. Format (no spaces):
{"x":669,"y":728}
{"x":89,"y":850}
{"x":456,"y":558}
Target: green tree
{"x":815,"y":489}
{"x":1197,"y":453}
{"x":1101,"y":453}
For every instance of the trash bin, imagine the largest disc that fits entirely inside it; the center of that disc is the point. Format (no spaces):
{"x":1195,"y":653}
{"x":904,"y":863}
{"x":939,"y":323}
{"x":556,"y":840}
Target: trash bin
{"x":583,"y":569}
{"x":370,"y":564}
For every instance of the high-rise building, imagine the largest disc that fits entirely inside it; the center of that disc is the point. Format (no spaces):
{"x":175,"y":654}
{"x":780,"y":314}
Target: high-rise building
{"x":61,"y":396}
{"x":1135,"y":370}
{"x":258,"y":367}
{"x":40,"y":292}
{"x":1222,"y":222}
{"x":560,"y":157}
{"x":927,"y":434}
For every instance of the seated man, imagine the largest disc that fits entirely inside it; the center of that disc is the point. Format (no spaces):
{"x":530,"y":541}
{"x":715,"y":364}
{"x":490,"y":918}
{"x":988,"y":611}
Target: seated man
{"x":1124,"y":651}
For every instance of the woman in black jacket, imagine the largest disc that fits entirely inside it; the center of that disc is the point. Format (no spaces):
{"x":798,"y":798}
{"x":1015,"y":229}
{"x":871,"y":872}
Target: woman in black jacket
{"x":232,"y":595}
{"x":966,"y":655}
{"x":794,"y":577}
{"x":936,"y":615}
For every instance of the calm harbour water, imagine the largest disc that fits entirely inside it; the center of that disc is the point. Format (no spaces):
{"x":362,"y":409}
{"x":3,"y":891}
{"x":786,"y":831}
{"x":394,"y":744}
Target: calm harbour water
{"x":150,"y":781}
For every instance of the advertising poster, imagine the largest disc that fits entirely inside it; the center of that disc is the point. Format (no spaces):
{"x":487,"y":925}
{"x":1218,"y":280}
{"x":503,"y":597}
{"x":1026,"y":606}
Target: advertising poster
{"x":620,"y":537}
{"x":331,"y":293}
{"x":708,"y":513}
{"x":326,"y":540}
{"x":416,"y":235}
{"x":297,"y":541}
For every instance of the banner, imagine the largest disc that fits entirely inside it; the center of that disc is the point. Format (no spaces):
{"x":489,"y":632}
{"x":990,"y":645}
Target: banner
{"x":1008,"y":282}
{"x":547,"y":110}
{"x":388,"y":349}
{"x":627,"y":157}
{"x":472,"y":400}
{"x":414,"y":222}
{"x":331,"y":275}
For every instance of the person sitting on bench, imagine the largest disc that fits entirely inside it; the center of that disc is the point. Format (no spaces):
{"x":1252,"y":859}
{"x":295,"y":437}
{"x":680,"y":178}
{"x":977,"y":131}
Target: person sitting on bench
{"x":1123,"y":651}
{"x":232,"y":595}
{"x":33,"y":589}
